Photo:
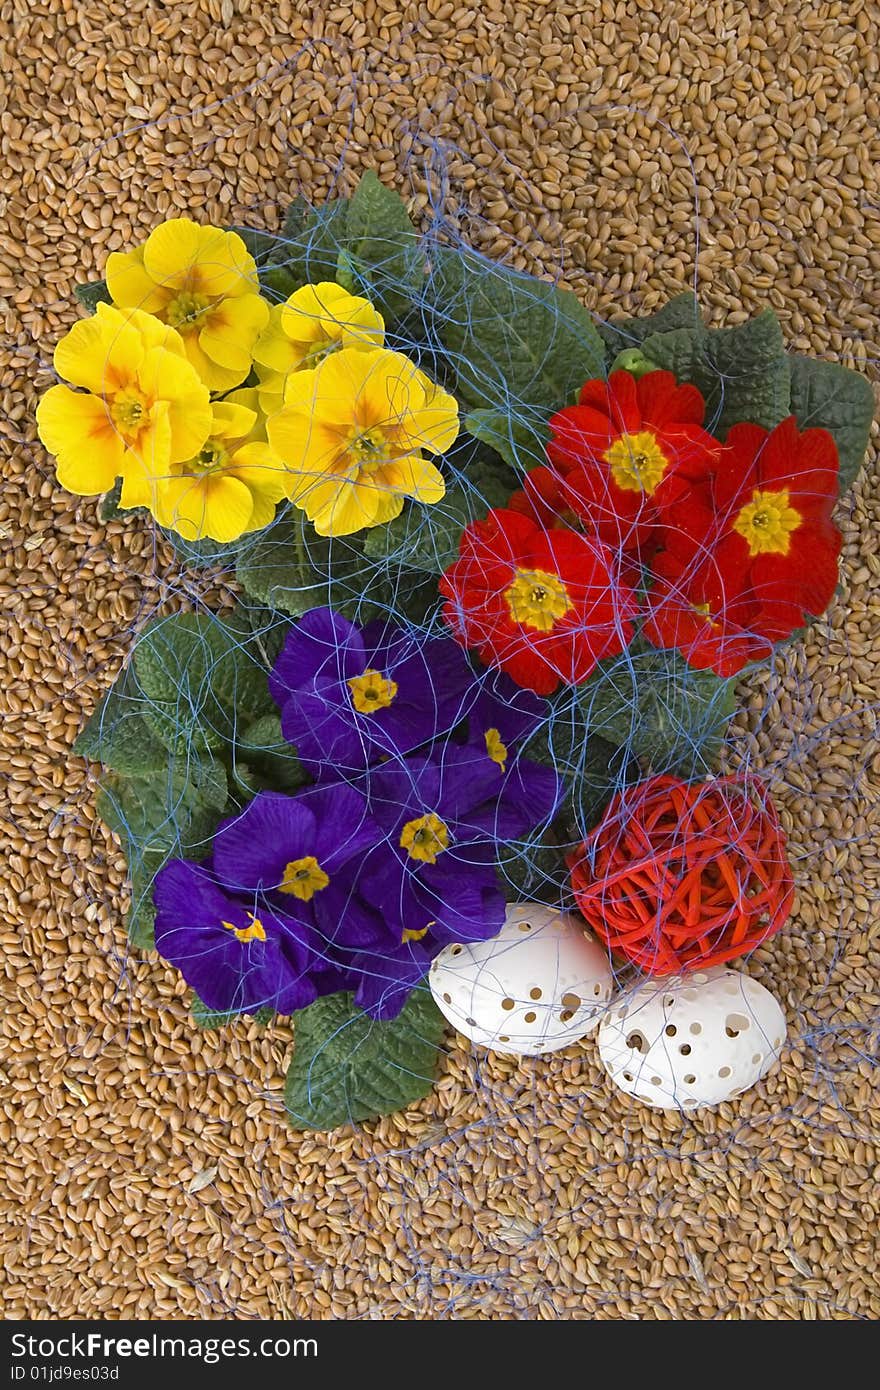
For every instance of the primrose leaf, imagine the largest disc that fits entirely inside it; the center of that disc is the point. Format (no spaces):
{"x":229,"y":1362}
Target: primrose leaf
{"x":346,"y":1067}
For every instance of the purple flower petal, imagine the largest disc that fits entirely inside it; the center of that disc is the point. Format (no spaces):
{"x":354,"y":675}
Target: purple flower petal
{"x":322,"y":644}
{"x":238,"y":959}
{"x":424,"y":689}
{"x":513,"y":712}
{"x":466,"y":904}
{"x":385,"y":982}
{"x":343,"y":828}
{"x":317,"y":720}
{"x":253,"y":848}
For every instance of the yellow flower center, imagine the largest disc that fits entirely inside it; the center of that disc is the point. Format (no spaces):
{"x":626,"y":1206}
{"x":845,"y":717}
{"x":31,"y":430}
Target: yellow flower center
{"x":129,"y":413}
{"x":371,"y":691}
{"x":425,"y":838}
{"x":185,"y":309}
{"x":767,"y":522}
{"x":495,"y":748}
{"x":537,"y":599}
{"x":369,"y":450}
{"x":318,"y":351}
{"x":211,"y":457}
{"x":637,"y":462}
{"x":415,"y":934}
{"x":255,"y":932}
{"x":303,"y":878}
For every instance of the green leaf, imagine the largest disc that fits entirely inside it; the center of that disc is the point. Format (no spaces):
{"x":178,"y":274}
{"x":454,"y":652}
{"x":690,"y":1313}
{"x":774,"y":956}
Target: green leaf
{"x":206,"y":1018}
{"x":382,"y":258}
{"x":263,"y":748}
{"x":827,"y":396}
{"x":93,"y":294}
{"x":682,"y":311}
{"x":662,"y":711}
{"x":109,"y":508}
{"x":288,"y":568}
{"x":140,"y":919}
{"x":175,"y":810}
{"x":743,"y":372}
{"x":307,"y":250}
{"x":292,"y":569}
{"x":346,"y":1067}
{"x":427,"y":538}
{"x":159,"y":817}
{"x":202,"y":679}
{"x":518,"y":441}
{"x":521,"y":344}
{"x":117,"y":734}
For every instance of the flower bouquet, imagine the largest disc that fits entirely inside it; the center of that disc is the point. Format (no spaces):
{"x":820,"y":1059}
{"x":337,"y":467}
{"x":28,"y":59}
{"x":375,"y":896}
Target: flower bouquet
{"x":498,"y":567}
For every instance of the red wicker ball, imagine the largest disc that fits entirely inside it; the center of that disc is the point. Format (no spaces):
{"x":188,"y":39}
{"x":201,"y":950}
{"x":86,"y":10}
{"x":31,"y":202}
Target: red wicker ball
{"x":679,"y":876}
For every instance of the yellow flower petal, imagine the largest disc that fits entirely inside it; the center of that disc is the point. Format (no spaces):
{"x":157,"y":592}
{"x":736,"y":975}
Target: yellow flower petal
{"x":339,"y":509}
{"x":171,"y":250}
{"x":273,"y":348}
{"x":230,"y":331}
{"x":139,"y":487}
{"x":391,"y":388}
{"x":218,"y":507}
{"x":270,"y":391}
{"x":412,"y":476}
{"x":389,"y":506}
{"x":165,"y":376}
{"x":152,"y":451}
{"x":306,"y":443}
{"x":180,"y":254}
{"x":326,"y":313}
{"x":435,"y":427}
{"x":101,"y":353}
{"x":263,"y":513}
{"x":231,"y":420}
{"x":131,"y":286}
{"x":249,"y":397}
{"x":77,"y":429}
{"x":261,"y":470}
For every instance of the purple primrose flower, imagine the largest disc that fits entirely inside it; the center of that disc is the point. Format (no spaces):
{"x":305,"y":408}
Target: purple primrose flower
{"x":349,"y":697}
{"x":237,"y":956}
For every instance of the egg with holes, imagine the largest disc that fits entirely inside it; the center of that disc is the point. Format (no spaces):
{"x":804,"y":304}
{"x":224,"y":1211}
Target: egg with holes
{"x":537,"y":986}
{"x":694,"y":1041}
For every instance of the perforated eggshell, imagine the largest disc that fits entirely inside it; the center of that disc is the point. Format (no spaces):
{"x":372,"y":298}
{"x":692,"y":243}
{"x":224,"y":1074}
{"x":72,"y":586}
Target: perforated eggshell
{"x":694,"y":1041}
{"x":537,"y":986}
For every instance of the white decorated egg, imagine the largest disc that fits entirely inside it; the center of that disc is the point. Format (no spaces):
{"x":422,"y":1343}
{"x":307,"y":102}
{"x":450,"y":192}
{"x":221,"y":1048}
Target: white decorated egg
{"x":537,"y":986}
{"x":692,"y":1041}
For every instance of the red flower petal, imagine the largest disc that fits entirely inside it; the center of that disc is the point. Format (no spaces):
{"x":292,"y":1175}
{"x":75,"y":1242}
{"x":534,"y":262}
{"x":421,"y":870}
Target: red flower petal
{"x":806,"y":576}
{"x":597,"y":623}
{"x":662,"y":402}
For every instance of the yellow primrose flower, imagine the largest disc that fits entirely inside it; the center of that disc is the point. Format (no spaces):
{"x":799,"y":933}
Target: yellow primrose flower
{"x":203,"y":282}
{"x":270,"y":380}
{"x":314,"y":321}
{"x":352,"y":433}
{"x":141,"y":408}
{"x":232,"y":485}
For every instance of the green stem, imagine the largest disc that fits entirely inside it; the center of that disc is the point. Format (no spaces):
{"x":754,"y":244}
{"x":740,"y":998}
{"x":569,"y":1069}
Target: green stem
{"x":299,"y":544}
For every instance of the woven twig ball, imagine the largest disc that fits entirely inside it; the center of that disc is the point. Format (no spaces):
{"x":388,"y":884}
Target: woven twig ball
{"x":678,"y":876}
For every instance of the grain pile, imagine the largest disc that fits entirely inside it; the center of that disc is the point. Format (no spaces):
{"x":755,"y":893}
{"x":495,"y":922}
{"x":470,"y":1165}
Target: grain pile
{"x":152,"y":1174}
